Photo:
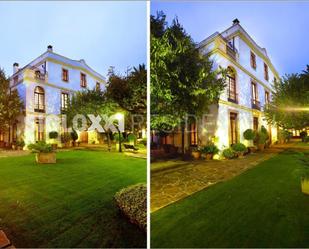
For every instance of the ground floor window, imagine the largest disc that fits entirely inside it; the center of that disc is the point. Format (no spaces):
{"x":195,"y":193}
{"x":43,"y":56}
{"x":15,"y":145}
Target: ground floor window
{"x":1,"y":136}
{"x":14,"y":132}
{"x":39,"y":125}
{"x":255,"y":123}
{"x":193,"y":134}
{"x":233,"y":128}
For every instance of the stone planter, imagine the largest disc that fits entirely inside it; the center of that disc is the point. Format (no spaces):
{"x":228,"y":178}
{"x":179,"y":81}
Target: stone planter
{"x":240,"y":154}
{"x":252,"y":149}
{"x":46,"y":158}
{"x":305,"y":185}
{"x":261,"y":147}
{"x":196,"y":154}
{"x":209,"y":156}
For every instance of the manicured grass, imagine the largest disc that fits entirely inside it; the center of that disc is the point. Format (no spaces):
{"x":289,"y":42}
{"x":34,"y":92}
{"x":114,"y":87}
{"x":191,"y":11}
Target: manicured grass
{"x":69,"y":204}
{"x":263,"y":207}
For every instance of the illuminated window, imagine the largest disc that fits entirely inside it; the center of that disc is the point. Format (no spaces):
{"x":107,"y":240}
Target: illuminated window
{"x":83,"y":80}
{"x":98,"y":87}
{"x":64,"y":101}
{"x":233,"y":128}
{"x":231,"y":83}
{"x":253,"y":60}
{"x":193,"y":134}
{"x":39,"y":125}
{"x":65,"y":75}
{"x":266,"y":97}
{"x":255,"y":123}
{"x":39,"y":99}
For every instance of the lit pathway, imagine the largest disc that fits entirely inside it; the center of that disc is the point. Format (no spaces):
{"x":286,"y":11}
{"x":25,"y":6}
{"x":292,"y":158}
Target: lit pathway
{"x":173,"y":184}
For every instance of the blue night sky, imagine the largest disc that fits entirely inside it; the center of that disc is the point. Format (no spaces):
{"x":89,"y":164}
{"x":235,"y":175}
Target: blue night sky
{"x":280,"y":27}
{"x":102,"y":33}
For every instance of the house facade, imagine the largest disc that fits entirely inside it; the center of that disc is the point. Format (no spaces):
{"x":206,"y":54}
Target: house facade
{"x":45,"y":86}
{"x":249,"y":88}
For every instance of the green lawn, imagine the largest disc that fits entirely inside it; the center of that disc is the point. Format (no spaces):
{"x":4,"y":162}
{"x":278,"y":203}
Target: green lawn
{"x":69,"y":204}
{"x":263,"y":207}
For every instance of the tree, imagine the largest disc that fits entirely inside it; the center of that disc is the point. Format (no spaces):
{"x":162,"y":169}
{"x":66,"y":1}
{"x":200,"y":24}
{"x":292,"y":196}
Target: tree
{"x":290,"y":101}
{"x":93,"y":102}
{"x":182,"y":79}
{"x":11,"y":105}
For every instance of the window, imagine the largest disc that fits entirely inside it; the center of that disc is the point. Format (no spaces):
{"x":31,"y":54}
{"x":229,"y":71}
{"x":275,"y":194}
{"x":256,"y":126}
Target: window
{"x":14,"y":132}
{"x":266,"y":97}
{"x":39,"y":125}
{"x":193,"y":134}
{"x":97,"y":86}
{"x":233,"y":128}
{"x":231,"y":82}
{"x":253,"y":60}
{"x":39,"y":99}
{"x":255,"y":123}
{"x":83,"y":80}
{"x":65,"y":74}
{"x":255,"y":102}
{"x":64,"y":101}
{"x":265,"y":72}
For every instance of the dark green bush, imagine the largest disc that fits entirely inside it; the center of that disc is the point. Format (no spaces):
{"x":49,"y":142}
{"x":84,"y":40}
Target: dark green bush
{"x":249,"y":134}
{"x":53,"y":135}
{"x":132,"y":201}
{"x":210,"y":149}
{"x":302,"y":135}
{"x":116,"y":137}
{"x":132,"y":138}
{"x":65,"y":137}
{"x":74,"y":135}
{"x":228,"y":153}
{"x":261,"y":137}
{"x":306,"y":139}
{"x":239,"y":147}
{"x":40,"y":146}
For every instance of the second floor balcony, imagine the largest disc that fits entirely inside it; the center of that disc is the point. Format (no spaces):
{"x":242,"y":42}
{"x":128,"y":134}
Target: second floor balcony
{"x":231,"y":52}
{"x":256,"y":104}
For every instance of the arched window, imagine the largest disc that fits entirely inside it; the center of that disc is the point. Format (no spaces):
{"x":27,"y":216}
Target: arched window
{"x":231,"y":84}
{"x":39,"y":99}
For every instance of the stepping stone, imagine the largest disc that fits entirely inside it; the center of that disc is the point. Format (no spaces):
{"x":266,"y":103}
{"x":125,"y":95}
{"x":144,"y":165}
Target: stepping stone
{"x":4,"y":241}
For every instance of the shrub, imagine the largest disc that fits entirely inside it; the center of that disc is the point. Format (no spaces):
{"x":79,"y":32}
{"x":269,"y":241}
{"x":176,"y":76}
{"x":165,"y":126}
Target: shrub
{"x":302,"y":135}
{"x":131,"y":138}
{"x":132,"y":201}
{"x":40,"y":146}
{"x":195,"y":149}
{"x":261,"y":137}
{"x":228,"y":153}
{"x":249,"y":134}
{"x":306,"y":139}
{"x":53,"y":135}
{"x":116,"y":137}
{"x":144,"y":141}
{"x":65,"y":137}
{"x":20,"y":143}
{"x":239,"y":147}
{"x":74,"y":135}
{"x":210,"y":149}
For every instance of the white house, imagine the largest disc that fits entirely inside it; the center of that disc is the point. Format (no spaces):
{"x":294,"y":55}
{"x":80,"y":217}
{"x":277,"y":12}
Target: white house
{"x":249,"y":89}
{"x":45,"y":86}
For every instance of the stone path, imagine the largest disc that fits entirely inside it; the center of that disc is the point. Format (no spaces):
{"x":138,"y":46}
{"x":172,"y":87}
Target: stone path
{"x":176,"y":183}
{"x":13,"y":153}
{"x":4,"y":241}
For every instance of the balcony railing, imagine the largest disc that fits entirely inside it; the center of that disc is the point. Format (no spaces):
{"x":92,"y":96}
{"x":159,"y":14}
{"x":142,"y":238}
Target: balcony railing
{"x":39,"y":76}
{"x":256,"y":104}
{"x":231,"y":52}
{"x":39,"y":108}
{"x":232,"y":96}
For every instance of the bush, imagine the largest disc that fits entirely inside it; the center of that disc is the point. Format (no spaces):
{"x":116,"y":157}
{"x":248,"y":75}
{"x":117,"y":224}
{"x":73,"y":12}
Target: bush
{"x":306,"y":139}
{"x":132,"y":138}
{"x":20,"y":143}
{"x":116,"y":137}
{"x":228,"y":153}
{"x":249,"y":134}
{"x":132,"y":201}
{"x":65,"y":137}
{"x":74,"y":135}
{"x":261,"y":137}
{"x":302,"y":135}
{"x":210,"y":149}
{"x":239,"y":147}
{"x":53,"y":135}
{"x":40,"y":146}
{"x":144,"y":141}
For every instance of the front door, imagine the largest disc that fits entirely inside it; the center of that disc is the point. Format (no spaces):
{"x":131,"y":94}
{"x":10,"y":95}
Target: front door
{"x":233,"y":128}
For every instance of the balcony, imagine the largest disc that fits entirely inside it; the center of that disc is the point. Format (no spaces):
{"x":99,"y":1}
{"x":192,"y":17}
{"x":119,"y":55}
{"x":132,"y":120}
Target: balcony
{"x":39,"y":108}
{"x":232,"y":96}
{"x":256,"y":104}
{"x":39,"y":76}
{"x":36,"y":74}
{"x":231,"y":52}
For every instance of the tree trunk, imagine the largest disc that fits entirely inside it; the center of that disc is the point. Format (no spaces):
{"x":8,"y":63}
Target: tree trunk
{"x":183,"y":139}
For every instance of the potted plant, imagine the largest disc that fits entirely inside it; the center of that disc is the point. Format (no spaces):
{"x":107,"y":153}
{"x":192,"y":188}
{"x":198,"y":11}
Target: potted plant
{"x":305,"y":183}
{"x":250,"y":135}
{"x":132,"y":139}
{"x":209,"y":151}
{"x":261,"y":139}
{"x":53,"y":135}
{"x":20,"y":144}
{"x":65,"y":139}
{"x":228,"y":153}
{"x":74,"y":137}
{"x":240,"y":149}
{"x":196,"y":152}
{"x":44,"y":152}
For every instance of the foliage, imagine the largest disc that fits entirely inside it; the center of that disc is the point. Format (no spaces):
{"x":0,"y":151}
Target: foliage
{"x":239,"y":147}
{"x":40,"y":147}
{"x":303,"y":134}
{"x":261,"y":137}
{"x":249,"y":134}
{"x":65,"y":137}
{"x":289,"y":105}
{"x":306,"y":139}
{"x":132,"y":201}
{"x":228,"y":153}
{"x":144,"y":141}
{"x":20,"y":143}
{"x":53,"y":134}
{"x":209,"y":149}
{"x":131,"y":137}
{"x":182,"y":79}
{"x":74,"y":135}
{"x":196,"y":149}
{"x":11,"y":106}
{"x":116,"y":137}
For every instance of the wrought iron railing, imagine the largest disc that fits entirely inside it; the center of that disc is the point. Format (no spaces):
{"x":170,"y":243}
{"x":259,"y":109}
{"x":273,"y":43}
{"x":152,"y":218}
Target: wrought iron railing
{"x":256,"y":104}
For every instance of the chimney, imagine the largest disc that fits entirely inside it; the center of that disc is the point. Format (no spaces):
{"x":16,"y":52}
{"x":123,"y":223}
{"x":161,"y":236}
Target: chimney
{"x":15,"y":67}
{"x":235,"y":21}
{"x":50,"y":48}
